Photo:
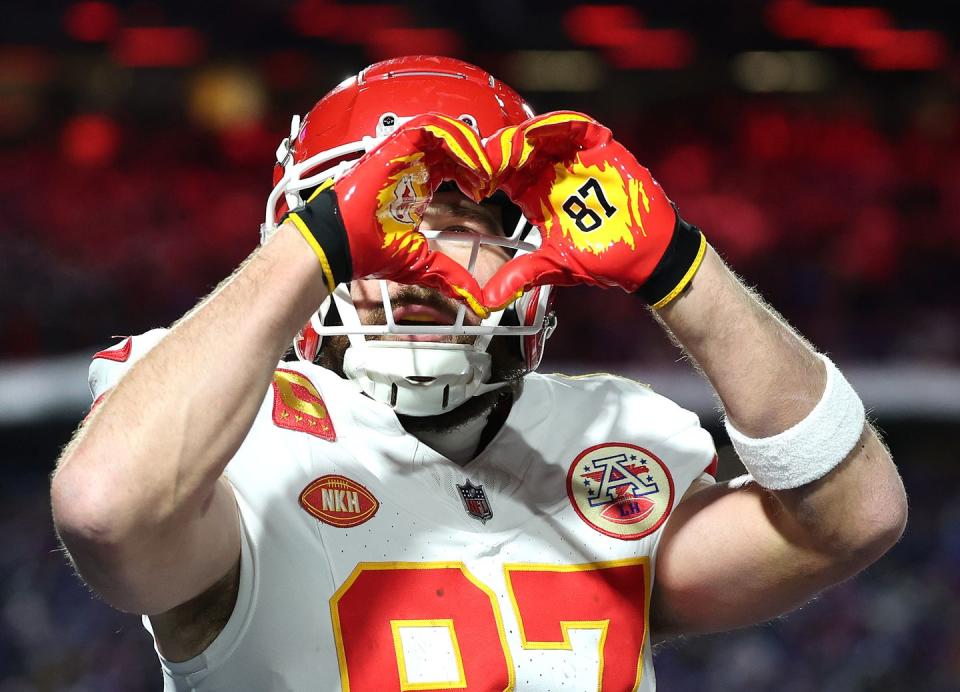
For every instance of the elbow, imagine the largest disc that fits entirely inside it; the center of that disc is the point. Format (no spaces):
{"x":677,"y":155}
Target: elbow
{"x":877,"y":518}
{"x":885,"y":508}
{"x":96,"y":507}
{"x":874,"y":506}
{"x":887,"y":521}
{"x":83,"y":514}
{"x":98,"y":540}
{"x":878,"y":534}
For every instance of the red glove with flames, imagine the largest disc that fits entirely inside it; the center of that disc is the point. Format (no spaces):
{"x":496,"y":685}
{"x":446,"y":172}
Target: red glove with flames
{"x":603,"y":219}
{"x":365,"y":224}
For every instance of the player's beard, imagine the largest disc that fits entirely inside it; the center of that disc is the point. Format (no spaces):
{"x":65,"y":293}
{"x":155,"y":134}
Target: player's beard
{"x":506,"y":366}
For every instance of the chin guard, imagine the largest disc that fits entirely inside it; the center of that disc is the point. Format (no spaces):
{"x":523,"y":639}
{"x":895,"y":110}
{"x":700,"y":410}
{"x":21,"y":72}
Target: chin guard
{"x":446,"y":375}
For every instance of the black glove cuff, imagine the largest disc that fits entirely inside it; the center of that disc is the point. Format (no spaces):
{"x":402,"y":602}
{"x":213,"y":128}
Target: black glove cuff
{"x":679,"y":263}
{"x":322,"y":219}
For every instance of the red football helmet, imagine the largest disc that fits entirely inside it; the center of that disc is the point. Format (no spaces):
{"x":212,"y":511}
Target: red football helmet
{"x":348,"y":122}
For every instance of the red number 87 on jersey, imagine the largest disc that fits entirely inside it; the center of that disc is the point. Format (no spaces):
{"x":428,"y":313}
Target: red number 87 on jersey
{"x":384,"y":612}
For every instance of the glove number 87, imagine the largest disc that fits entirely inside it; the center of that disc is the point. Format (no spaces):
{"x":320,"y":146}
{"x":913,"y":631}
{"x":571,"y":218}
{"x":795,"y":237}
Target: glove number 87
{"x":576,"y":206}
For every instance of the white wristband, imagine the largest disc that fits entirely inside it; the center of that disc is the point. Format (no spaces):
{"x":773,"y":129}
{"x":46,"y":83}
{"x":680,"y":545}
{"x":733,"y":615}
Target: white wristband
{"x":811,"y":448}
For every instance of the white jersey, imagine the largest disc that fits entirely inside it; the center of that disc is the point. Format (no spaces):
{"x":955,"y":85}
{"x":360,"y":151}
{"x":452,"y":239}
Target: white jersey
{"x":371,"y":562}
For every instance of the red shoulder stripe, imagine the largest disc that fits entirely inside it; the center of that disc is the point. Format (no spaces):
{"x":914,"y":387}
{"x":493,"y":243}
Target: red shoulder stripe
{"x":120,"y":354}
{"x":712,"y":468}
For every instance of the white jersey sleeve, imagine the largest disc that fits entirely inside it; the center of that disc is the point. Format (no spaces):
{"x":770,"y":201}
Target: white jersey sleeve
{"x":111,"y":364}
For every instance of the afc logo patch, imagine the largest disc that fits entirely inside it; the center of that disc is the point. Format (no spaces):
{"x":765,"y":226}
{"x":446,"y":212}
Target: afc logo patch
{"x":621,"y":490}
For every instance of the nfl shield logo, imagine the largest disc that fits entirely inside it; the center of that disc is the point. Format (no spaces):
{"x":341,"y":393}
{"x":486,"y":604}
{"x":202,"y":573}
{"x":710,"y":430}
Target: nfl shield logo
{"x":475,"y":501}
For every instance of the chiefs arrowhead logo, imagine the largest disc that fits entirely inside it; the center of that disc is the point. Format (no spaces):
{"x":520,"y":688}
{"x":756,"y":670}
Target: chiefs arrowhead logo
{"x":620,"y":490}
{"x":339,"y":501}
{"x":407,"y":205}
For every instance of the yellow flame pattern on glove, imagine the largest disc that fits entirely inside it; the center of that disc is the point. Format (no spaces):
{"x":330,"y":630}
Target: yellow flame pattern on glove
{"x":626,"y":196}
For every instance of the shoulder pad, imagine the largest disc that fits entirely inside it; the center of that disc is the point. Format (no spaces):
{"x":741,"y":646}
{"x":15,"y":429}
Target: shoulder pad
{"x":601,"y":378}
{"x":110,"y":364}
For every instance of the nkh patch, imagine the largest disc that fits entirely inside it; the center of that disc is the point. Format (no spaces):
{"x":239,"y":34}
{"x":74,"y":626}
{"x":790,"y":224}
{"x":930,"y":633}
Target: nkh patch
{"x":475,"y":501}
{"x":297,"y":405}
{"x":119,"y":353}
{"x":339,"y":501}
{"x":621,"y":490}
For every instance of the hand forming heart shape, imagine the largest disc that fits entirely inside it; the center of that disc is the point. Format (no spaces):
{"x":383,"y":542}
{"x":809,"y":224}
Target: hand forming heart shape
{"x":603,"y":219}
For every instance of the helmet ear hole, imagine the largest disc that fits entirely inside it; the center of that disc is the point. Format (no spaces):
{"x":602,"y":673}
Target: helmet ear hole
{"x":469,"y":121}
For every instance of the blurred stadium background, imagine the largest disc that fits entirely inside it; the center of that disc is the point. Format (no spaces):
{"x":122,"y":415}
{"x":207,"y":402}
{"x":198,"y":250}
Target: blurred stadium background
{"x":816,"y":143}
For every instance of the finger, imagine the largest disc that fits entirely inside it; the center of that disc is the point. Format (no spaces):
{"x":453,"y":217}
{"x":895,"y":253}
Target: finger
{"x":436,"y":270}
{"x":460,"y":140}
{"x":522,"y":273}
{"x":454,"y":151}
{"x":518,"y":155}
{"x":502,"y":150}
{"x":561,"y":133}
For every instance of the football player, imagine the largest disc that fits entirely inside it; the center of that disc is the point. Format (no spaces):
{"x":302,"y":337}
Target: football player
{"x":405,"y":504}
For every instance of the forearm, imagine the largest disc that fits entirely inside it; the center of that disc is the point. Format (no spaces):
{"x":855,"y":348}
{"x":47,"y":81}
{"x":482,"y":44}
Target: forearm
{"x":780,"y":547}
{"x":767,"y":377}
{"x":161,"y":439}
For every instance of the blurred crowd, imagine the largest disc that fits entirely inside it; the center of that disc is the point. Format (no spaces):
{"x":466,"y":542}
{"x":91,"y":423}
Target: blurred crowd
{"x":848,"y":224}
{"x":892,"y":629}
